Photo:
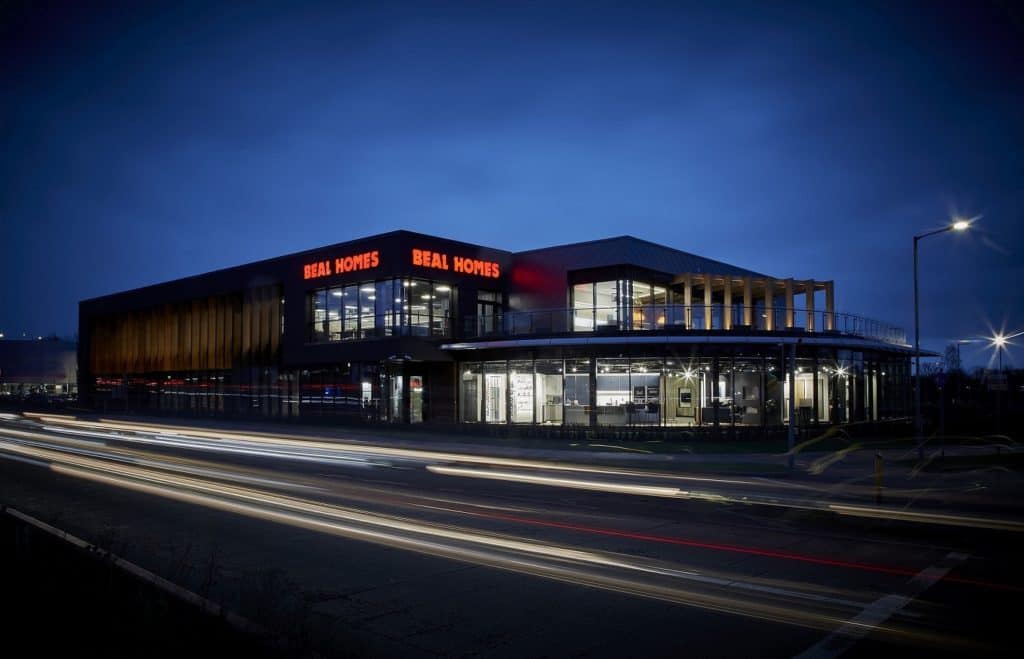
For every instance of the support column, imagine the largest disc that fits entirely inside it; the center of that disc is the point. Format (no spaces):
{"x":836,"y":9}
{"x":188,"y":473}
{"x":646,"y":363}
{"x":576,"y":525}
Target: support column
{"x":707,"y":302}
{"x":814,"y":394}
{"x":789,"y":304}
{"x":809,"y":303}
{"x":688,"y":300}
{"x":748,"y":302}
{"x":592,"y":377}
{"x":791,"y":407}
{"x":727,"y":306}
{"x":830,"y":302}
{"x":769,"y":301}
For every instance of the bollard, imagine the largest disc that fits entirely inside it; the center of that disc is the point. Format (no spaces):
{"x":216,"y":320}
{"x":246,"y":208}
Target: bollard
{"x":878,"y":477}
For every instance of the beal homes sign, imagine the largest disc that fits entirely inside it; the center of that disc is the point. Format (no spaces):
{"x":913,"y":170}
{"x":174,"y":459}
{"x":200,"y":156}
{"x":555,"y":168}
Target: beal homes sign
{"x":467,"y":266}
{"x":341,"y":265}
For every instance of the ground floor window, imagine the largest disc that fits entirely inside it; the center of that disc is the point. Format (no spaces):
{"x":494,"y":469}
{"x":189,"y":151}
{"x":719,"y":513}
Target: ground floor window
{"x":718,"y":390}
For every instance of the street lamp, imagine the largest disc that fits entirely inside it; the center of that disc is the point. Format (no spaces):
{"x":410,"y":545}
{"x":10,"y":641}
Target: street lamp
{"x":957,"y":225}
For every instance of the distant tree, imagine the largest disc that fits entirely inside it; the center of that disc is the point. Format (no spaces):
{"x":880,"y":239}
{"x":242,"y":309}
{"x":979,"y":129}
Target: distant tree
{"x":952,"y":358}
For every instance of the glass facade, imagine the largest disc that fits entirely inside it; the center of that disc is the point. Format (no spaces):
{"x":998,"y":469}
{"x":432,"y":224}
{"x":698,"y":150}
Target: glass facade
{"x":622,"y":304}
{"x":388,"y":307}
{"x":730,"y":390}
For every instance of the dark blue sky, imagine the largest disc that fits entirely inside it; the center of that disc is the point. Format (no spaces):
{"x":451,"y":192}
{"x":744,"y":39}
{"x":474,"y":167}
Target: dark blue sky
{"x":141,"y":143}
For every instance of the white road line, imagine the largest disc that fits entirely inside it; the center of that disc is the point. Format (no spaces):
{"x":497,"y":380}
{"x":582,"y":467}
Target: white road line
{"x":879,"y":611}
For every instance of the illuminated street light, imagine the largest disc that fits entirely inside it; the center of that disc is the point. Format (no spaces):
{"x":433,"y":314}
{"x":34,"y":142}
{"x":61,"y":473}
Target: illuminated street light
{"x":999,"y":343}
{"x":956,"y":225}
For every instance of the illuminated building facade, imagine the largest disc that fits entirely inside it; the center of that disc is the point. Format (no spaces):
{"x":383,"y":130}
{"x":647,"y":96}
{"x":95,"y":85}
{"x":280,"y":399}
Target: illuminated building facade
{"x":409,"y":328}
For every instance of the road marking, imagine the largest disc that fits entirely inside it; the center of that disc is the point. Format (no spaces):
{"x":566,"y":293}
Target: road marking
{"x":880,"y":610}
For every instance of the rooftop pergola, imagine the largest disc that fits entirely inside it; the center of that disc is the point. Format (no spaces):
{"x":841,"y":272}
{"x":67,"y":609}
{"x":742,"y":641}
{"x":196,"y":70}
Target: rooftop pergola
{"x":752,"y":289}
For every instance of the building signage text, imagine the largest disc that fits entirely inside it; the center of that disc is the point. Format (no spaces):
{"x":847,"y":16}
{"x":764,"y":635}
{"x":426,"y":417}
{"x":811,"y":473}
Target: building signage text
{"x":341,"y":265}
{"x":441,"y":261}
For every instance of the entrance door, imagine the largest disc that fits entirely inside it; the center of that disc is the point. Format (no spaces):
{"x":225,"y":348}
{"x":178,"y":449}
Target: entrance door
{"x":415,"y":398}
{"x":494,"y":399}
{"x":396,"y":398}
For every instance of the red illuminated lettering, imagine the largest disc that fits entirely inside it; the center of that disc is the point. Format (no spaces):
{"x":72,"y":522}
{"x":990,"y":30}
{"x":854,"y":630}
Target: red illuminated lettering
{"x":439,"y":261}
{"x":341,"y":264}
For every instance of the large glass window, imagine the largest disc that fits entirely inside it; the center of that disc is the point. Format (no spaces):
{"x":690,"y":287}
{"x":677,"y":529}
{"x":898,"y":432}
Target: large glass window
{"x":390,"y":307}
{"x":488,"y":312}
{"x":520,"y":376}
{"x":613,"y":392}
{"x":682,"y":392}
{"x":471,"y":392}
{"x":645,"y":383}
{"x":350,"y":309}
{"x":583,"y":307}
{"x":621,"y":304}
{"x":495,"y":392}
{"x":606,"y":304}
{"x":747,"y":391}
{"x":318,"y":316}
{"x":386,"y":309}
{"x":418,"y":291}
{"x":440,"y":310}
{"x":642,"y":303}
{"x":334,"y":313}
{"x":367,"y":301}
{"x":577,"y":392}
{"x":548,"y":391}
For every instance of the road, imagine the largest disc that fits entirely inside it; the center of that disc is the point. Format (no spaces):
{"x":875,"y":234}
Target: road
{"x":373,"y":548}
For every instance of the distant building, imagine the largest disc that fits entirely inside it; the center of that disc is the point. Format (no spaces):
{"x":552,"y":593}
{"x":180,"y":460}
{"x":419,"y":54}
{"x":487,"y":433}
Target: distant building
{"x":44,"y":368}
{"x":407,"y":328}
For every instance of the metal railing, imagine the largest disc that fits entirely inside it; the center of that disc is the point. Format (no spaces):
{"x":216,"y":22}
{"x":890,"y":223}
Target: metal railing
{"x":678,"y":318}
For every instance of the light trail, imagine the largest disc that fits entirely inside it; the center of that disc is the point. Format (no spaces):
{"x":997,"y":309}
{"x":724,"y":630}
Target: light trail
{"x":355,"y":455}
{"x":374,"y":496}
{"x":622,"y":573}
{"x":878,"y":512}
{"x":83,"y":455}
{"x":295,"y":445}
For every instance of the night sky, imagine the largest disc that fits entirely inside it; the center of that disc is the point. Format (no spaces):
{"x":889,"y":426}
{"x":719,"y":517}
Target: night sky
{"x":141,"y":144}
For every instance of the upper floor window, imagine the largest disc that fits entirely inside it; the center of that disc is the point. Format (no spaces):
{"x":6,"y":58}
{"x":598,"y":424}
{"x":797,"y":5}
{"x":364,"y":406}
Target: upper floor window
{"x":622,"y":304}
{"x":389,"y":307}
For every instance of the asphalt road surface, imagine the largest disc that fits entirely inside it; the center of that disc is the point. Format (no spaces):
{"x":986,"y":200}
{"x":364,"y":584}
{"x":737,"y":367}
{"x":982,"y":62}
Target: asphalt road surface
{"x":370,"y":548}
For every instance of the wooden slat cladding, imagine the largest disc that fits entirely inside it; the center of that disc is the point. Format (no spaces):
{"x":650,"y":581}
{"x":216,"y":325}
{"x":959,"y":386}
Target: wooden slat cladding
{"x":213,"y":333}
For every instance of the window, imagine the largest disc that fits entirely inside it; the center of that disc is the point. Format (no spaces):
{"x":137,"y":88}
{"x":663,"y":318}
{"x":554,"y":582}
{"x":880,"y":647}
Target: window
{"x":418,"y":293}
{"x":607,"y":295}
{"x":488,"y":312}
{"x":388,"y":307}
{"x":583,"y":307}
{"x":470,"y":392}
{"x":334,"y":313}
{"x":350,"y":309}
{"x":367,"y":318}
{"x":521,"y":387}
{"x":387,"y":311}
{"x":318,"y":316}
{"x":548,"y":391}
{"x":440,"y":310}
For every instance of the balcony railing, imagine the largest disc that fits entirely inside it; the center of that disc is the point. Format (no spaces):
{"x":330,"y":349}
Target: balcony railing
{"x":678,"y":318}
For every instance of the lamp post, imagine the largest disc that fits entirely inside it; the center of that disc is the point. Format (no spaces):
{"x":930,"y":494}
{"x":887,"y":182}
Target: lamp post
{"x":958,"y":225}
